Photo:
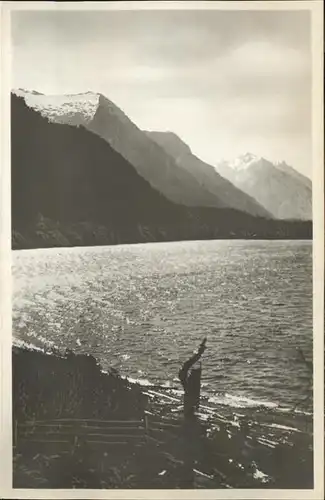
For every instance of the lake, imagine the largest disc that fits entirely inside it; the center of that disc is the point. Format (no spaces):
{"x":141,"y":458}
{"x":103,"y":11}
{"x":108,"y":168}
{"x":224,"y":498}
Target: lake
{"x":144,"y":308}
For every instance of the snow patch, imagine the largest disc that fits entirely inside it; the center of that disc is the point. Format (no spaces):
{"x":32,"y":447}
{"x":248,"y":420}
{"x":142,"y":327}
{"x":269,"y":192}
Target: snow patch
{"x":243,"y":162}
{"x":79,"y":109}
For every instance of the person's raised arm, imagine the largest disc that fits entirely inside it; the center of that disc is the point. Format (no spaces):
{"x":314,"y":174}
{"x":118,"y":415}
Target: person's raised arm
{"x":190,"y":362}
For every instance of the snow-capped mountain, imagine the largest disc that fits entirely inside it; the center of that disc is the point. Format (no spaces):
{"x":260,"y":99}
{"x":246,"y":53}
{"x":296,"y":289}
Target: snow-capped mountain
{"x":283,"y":191}
{"x":172,"y":178}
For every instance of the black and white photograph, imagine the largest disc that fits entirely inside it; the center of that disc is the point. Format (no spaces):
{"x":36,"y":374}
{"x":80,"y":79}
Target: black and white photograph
{"x":162,"y":177}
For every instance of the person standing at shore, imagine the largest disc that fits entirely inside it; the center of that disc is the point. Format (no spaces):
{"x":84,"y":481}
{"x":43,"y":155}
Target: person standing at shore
{"x":190,"y":377}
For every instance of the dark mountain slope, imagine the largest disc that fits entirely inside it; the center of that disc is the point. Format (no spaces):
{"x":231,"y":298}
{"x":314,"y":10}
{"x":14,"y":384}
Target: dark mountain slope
{"x":69,"y":187}
{"x":70,"y":175}
{"x":101,"y":116}
{"x":74,"y":176}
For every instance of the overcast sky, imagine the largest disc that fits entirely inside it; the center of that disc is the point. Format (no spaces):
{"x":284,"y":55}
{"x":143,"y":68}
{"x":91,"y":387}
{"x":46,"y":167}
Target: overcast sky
{"x":226,"y":82}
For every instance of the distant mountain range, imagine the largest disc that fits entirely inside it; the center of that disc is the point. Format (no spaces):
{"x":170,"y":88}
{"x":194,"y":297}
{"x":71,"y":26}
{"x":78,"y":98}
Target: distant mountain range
{"x":185,"y":180}
{"x":283,"y":191}
{"x":72,"y":187}
{"x":249,"y":183}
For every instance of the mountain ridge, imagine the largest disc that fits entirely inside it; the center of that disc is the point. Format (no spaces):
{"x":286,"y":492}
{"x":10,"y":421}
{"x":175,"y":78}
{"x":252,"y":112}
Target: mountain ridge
{"x":100,"y":115}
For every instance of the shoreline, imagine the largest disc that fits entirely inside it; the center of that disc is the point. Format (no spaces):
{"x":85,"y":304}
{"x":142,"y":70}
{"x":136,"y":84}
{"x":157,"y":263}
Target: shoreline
{"x":170,"y":390}
{"x":141,"y":243}
{"x":246,"y":443}
{"x":145,"y":242}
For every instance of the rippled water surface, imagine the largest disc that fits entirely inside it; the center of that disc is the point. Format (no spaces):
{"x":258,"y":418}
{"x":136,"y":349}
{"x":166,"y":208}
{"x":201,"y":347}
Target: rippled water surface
{"x":143,"y":308}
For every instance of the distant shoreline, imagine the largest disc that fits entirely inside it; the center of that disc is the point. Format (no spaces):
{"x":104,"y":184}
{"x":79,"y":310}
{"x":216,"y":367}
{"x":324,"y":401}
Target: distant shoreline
{"x":76,"y":247}
{"x":31,"y":247}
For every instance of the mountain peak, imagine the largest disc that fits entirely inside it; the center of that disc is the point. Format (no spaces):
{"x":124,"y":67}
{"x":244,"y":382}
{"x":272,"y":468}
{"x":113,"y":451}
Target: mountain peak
{"x":243,"y":161}
{"x":248,"y":157}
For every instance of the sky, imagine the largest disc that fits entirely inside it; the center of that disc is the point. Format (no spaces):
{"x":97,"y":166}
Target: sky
{"x":227,"y":82}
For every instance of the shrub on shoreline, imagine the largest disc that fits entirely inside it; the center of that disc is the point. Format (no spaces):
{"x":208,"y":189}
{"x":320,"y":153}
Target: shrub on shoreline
{"x":52,"y":386}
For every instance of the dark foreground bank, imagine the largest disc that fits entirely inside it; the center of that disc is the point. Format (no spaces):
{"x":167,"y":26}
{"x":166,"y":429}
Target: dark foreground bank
{"x":57,"y":395}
